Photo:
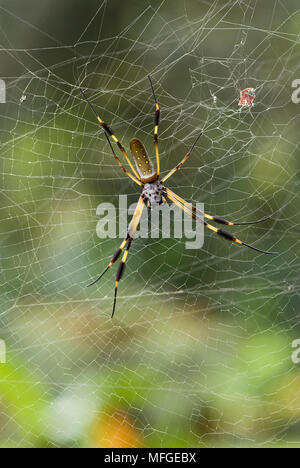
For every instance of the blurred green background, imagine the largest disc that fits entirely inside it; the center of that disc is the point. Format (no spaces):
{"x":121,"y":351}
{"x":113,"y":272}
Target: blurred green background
{"x":199,"y":351}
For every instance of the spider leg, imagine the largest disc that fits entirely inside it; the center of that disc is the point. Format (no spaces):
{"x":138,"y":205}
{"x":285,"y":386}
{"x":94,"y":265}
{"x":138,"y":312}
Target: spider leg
{"x":216,"y":219}
{"x":121,"y":165}
{"x":120,"y":273}
{"x":156,"y":124}
{"x":127,"y":242}
{"x":109,"y":131}
{"x":176,"y":168}
{"x":131,"y":233}
{"x":188,"y":209}
{"x":113,"y":260}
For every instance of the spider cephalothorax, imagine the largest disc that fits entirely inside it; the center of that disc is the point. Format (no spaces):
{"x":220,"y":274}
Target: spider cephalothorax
{"x":154,"y":192}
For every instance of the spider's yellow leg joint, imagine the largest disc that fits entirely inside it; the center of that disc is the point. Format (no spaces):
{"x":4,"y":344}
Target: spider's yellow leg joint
{"x":176,"y":168}
{"x":137,"y":181}
{"x":216,"y":219}
{"x":156,"y":124}
{"x":113,"y":260}
{"x":125,"y":256}
{"x":212,"y":228}
{"x":108,"y":131}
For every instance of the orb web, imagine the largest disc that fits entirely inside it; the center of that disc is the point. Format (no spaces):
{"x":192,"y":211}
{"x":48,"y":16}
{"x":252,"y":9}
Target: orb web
{"x":199,"y":351}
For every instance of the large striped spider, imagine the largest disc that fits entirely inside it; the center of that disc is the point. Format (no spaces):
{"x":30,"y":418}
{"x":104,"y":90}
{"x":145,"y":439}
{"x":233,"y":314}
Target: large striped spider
{"x":154,"y":192}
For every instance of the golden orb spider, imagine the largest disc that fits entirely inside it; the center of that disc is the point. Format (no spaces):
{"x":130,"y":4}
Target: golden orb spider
{"x":155,"y":192}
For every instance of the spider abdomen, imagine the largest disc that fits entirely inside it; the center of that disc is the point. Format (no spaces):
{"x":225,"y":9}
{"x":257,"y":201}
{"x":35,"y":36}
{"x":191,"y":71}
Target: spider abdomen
{"x":143,"y":163}
{"x":153,"y":193}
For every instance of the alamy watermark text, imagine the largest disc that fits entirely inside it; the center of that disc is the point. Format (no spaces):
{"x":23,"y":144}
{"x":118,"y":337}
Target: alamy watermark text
{"x":165,"y":221}
{"x":296,"y":93}
{"x":2,"y":92}
{"x":2,"y":352}
{"x":296,"y":353}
